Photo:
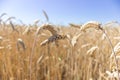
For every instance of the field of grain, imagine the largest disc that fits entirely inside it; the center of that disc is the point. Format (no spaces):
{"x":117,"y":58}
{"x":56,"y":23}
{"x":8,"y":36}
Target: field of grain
{"x":32,"y":52}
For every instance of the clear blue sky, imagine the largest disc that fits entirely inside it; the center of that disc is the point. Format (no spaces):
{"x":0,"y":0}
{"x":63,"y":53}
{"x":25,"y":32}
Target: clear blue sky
{"x":62,"y":11}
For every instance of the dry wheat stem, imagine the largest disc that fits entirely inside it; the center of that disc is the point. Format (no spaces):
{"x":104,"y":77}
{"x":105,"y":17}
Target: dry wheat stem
{"x":31,"y":56}
{"x":32,"y":52}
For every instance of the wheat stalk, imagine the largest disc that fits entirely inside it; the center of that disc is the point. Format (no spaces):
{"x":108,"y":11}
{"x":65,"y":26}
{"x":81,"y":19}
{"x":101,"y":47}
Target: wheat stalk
{"x":33,"y":48}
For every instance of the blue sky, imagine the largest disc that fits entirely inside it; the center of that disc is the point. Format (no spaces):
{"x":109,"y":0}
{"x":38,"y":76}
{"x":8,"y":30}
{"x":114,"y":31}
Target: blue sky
{"x":62,"y":11}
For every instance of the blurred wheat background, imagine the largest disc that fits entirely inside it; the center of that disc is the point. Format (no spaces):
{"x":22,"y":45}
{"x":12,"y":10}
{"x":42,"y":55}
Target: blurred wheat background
{"x":56,"y":52}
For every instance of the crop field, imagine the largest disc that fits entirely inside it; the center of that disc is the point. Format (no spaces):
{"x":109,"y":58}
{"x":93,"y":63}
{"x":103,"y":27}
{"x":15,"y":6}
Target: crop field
{"x":54,"y":52}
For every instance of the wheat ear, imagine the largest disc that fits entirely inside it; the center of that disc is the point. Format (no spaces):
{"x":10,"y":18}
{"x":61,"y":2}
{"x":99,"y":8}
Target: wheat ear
{"x":9,"y":19}
{"x":75,"y":25}
{"x":20,"y":45}
{"x":13,"y":27}
{"x":53,"y":39}
{"x":46,"y":16}
{"x":91,"y":24}
{"x":50,"y":28}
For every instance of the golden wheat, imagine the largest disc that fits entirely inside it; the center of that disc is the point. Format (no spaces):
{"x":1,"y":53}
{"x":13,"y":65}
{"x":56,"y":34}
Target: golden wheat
{"x":64,"y":62}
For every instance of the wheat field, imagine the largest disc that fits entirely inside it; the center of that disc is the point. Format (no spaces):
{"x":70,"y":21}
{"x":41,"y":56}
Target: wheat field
{"x":54,"y":52}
